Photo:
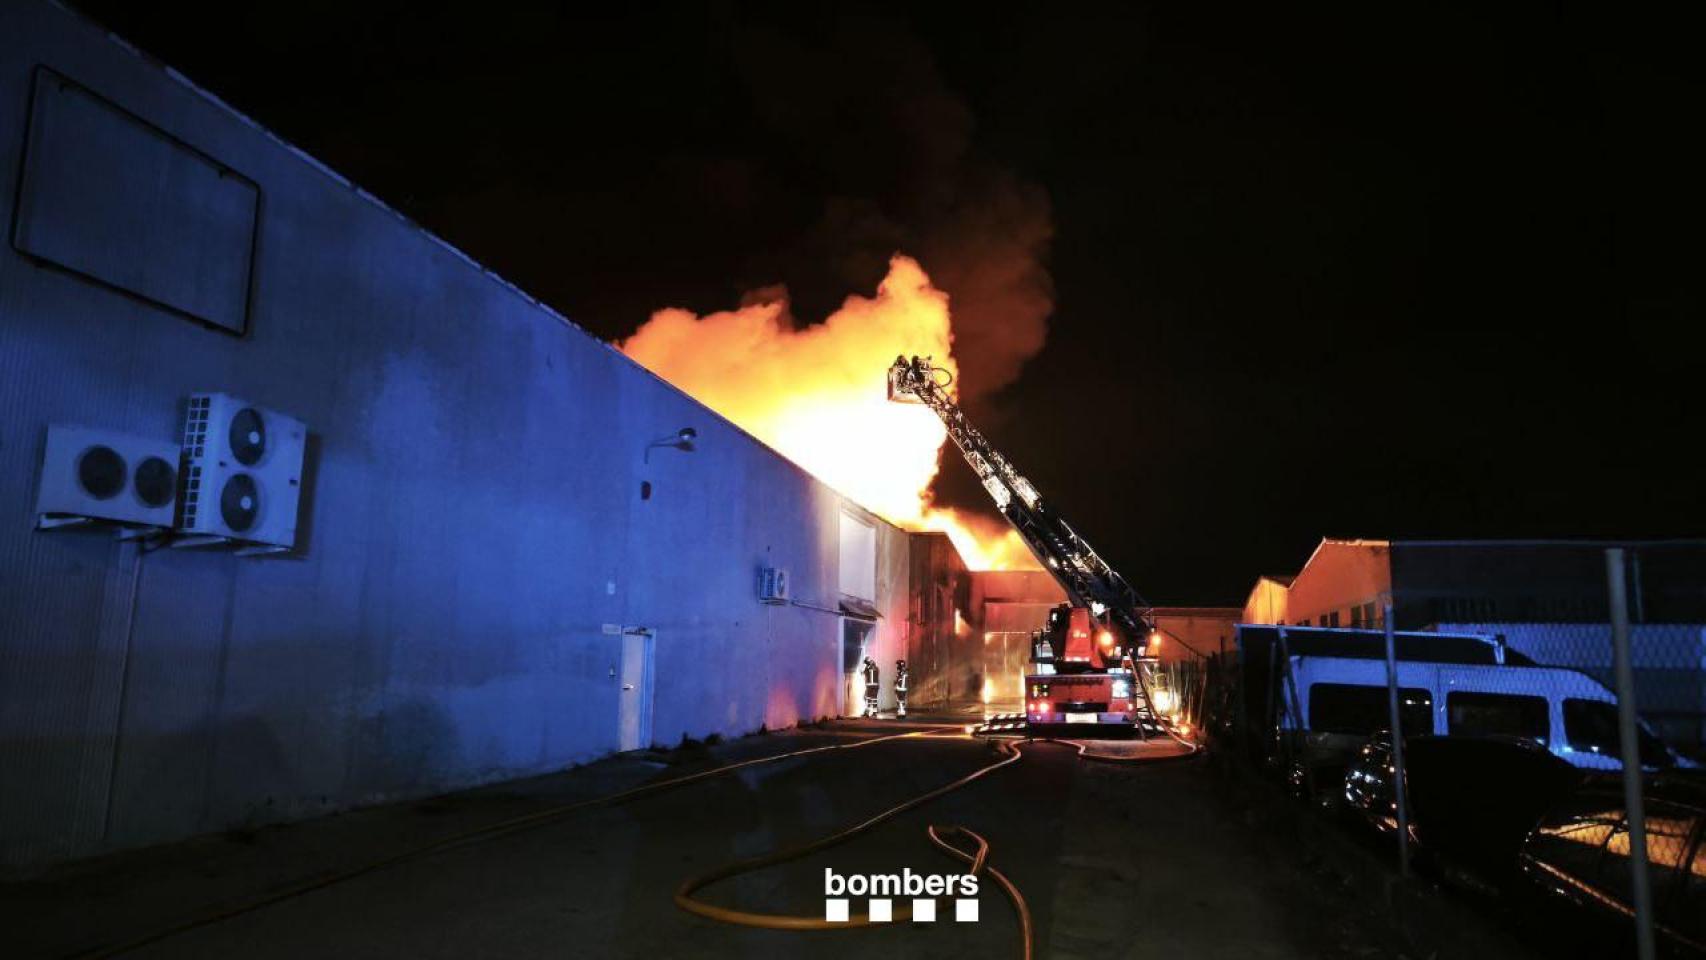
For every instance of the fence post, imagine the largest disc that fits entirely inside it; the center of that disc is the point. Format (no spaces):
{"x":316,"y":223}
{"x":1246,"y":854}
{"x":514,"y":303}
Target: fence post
{"x":1616,"y":583}
{"x":1238,"y":675}
{"x":1640,"y":612}
{"x":1400,"y":777}
{"x":1298,"y":742}
{"x":1268,"y":714}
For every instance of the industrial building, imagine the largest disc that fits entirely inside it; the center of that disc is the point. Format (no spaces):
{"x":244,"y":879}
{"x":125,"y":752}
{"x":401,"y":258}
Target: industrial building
{"x":1545,"y":599}
{"x":492,"y":546}
{"x":1344,"y":583}
{"x":971,"y":630}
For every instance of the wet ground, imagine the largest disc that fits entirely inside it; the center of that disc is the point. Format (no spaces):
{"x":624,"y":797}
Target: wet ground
{"x":1115,"y":860}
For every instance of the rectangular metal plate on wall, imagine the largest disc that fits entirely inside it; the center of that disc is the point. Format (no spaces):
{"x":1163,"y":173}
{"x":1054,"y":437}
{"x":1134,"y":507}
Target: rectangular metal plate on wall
{"x":109,"y":196}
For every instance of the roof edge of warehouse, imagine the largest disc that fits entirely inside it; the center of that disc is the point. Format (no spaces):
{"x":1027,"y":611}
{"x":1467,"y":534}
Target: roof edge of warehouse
{"x":214,"y":99}
{"x":1550,"y":542}
{"x":1197,"y":609}
{"x":1286,"y":579}
{"x":1339,"y":542}
{"x":1357,"y":576}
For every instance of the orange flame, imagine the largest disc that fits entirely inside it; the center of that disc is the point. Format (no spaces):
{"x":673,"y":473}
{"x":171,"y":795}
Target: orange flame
{"x":817,"y":395}
{"x":984,"y":543}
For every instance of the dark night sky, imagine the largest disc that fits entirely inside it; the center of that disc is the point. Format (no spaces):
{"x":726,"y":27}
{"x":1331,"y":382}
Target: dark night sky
{"x":1360,"y":272}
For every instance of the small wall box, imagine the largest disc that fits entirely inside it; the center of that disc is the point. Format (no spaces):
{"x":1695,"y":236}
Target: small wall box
{"x":773,"y":585}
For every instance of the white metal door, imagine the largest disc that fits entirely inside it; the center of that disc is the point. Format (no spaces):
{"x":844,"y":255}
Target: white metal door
{"x":634,"y":723}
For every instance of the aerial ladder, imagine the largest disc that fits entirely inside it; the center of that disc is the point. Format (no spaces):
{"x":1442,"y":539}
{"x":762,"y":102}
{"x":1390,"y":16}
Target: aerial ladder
{"x":1089,"y":663}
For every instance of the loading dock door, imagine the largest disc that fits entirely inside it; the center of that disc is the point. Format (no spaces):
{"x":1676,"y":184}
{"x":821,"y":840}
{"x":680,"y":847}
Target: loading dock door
{"x":634,"y":721}
{"x":855,"y":634}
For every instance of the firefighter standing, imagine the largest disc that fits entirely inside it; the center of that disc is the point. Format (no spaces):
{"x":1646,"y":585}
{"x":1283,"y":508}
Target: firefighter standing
{"x":872,"y":678}
{"x":900,"y":687}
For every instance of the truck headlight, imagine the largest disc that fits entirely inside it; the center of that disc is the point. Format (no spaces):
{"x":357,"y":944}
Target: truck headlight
{"x":1122,"y":689}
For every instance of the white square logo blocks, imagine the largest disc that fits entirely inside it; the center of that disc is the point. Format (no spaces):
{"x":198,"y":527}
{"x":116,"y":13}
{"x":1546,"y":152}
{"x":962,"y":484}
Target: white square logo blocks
{"x":920,"y":891}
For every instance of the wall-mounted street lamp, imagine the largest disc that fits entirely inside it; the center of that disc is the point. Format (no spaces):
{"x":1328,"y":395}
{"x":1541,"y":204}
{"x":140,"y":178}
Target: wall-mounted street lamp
{"x":679,"y":440}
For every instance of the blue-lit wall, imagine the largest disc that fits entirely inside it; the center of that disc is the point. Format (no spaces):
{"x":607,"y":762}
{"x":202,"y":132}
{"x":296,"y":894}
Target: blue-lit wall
{"x":473,"y":521}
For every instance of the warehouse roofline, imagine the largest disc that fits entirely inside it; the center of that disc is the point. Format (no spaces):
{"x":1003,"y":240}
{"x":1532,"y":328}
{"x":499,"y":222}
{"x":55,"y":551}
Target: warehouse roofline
{"x":208,"y":96}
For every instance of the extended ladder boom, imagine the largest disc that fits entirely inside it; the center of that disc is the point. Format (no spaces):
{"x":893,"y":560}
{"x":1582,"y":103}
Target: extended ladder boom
{"x":1085,"y":576}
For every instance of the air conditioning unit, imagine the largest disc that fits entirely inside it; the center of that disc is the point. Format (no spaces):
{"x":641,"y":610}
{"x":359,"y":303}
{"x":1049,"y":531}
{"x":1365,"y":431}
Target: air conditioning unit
{"x":242,"y":471}
{"x":773,"y":585}
{"x":90,"y":474}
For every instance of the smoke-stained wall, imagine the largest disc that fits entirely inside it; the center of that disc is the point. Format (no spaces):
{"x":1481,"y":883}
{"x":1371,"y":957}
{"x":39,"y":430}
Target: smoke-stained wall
{"x":936,"y":611}
{"x":473,"y":536}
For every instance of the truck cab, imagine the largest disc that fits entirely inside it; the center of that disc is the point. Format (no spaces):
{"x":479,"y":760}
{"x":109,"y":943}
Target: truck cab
{"x":1082,"y":672}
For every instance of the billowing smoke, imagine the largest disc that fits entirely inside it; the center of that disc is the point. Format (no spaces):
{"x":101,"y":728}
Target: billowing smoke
{"x":861,"y":122}
{"x":866,"y":117}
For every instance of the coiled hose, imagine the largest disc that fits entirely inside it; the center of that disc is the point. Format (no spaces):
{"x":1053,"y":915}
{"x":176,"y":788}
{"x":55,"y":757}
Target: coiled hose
{"x":977,"y":859}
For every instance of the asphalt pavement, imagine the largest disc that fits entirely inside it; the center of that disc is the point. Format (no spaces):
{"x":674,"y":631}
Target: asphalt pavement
{"x":1115,"y":860}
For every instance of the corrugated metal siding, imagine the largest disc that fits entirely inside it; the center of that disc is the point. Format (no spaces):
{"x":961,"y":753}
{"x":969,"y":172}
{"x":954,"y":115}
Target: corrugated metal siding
{"x":472,"y":522}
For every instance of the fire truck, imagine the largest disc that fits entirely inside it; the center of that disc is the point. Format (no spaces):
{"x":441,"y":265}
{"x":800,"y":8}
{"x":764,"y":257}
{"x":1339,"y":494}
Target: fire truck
{"x":1089,"y":663}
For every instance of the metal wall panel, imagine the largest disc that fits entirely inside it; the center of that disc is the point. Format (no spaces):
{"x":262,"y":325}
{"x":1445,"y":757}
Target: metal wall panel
{"x":108,"y":195}
{"x":472,"y":524}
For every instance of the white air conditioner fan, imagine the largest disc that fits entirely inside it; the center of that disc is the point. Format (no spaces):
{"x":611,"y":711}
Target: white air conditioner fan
{"x":242,"y":471}
{"x":90,"y":474}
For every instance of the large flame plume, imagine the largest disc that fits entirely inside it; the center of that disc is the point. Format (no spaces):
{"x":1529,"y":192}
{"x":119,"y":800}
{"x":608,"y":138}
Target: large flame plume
{"x":817,"y":395}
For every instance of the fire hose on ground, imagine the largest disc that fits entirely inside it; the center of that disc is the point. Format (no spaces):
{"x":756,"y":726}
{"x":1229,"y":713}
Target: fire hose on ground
{"x":976,"y":858}
{"x":478,"y":834}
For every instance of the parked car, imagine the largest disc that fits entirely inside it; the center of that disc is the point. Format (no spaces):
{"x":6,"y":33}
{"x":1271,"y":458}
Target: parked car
{"x":1577,"y":858}
{"x":1472,"y":800}
{"x":1343,"y":700}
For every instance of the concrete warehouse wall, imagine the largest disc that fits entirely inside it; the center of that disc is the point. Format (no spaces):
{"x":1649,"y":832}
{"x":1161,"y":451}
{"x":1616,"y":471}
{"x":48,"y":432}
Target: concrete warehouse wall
{"x":1190,"y":633}
{"x":471,"y":527}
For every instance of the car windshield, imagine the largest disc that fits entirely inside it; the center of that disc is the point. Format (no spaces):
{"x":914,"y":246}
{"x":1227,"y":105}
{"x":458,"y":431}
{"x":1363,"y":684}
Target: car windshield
{"x":1591,"y":727}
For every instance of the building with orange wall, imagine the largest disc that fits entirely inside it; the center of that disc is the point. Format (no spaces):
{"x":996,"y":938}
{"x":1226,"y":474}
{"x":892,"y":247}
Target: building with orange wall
{"x":1189,"y":633}
{"x":969,"y":631}
{"x":1342,"y":584}
{"x":1345,"y":583}
{"x":1267,"y":600}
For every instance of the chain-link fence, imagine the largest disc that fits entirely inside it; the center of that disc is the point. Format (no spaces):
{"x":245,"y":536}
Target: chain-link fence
{"x":1510,"y":773}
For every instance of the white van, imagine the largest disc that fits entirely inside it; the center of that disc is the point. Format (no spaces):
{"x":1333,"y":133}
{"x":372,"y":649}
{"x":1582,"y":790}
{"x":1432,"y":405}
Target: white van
{"x":1344,"y":701}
